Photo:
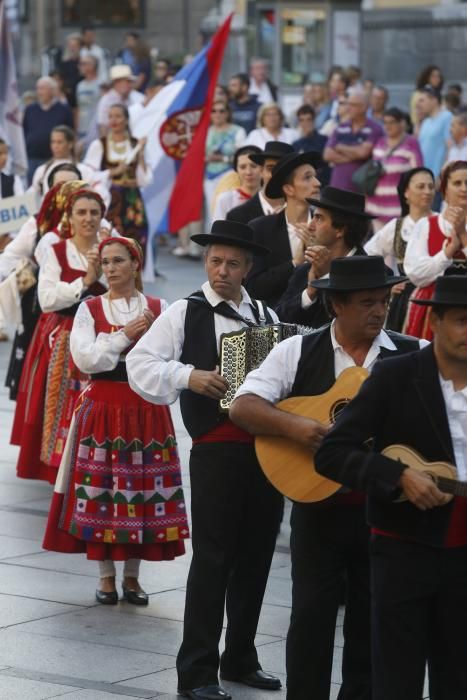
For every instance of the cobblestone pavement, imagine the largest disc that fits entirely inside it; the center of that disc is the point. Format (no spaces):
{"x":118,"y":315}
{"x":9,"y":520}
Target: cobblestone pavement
{"x":55,"y":641}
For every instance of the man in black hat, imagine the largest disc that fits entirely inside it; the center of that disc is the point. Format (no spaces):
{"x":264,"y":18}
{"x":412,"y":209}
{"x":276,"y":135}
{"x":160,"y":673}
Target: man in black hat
{"x":339,"y":226}
{"x":260,"y":204}
{"x":287,"y":233}
{"x":418,"y":547}
{"x":329,"y":539}
{"x":235,"y":511}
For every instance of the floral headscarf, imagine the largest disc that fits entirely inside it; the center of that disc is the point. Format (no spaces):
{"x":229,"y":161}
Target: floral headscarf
{"x":53,"y":205}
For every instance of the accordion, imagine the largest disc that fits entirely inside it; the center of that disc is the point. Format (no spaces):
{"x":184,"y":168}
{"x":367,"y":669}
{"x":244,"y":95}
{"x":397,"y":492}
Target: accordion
{"x":243,"y":351}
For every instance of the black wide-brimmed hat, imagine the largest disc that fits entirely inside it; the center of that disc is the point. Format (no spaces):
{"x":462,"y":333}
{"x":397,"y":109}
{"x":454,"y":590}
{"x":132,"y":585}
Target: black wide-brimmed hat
{"x":285,"y":166}
{"x":357,"y":272}
{"x":342,"y":201}
{"x":231,"y":233}
{"x":450,"y":290}
{"x":272,"y":149}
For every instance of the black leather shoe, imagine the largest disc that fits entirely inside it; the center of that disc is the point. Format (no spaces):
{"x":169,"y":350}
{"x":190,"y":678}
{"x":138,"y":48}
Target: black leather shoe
{"x":206,"y":692}
{"x":255,"y":679}
{"x":135,"y":597}
{"x":107,"y":598}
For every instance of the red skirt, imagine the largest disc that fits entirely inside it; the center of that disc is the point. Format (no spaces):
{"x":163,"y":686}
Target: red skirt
{"x":49,"y":387}
{"x":119,"y":493}
{"x":416,"y":323}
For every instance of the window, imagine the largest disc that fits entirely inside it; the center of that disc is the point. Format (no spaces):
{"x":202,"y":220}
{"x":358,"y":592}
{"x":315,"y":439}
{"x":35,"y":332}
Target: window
{"x":109,"y":13}
{"x":302,"y":38}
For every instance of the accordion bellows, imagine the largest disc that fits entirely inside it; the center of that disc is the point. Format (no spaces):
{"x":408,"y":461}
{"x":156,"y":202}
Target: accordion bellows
{"x":243,"y":351}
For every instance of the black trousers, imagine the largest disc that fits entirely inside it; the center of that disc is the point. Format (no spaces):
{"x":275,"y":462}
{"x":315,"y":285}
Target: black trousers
{"x":419,"y":615}
{"x":328,"y":542}
{"x":235,"y":519}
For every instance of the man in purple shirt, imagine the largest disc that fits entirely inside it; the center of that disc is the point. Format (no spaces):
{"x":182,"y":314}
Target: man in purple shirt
{"x":352,"y":142}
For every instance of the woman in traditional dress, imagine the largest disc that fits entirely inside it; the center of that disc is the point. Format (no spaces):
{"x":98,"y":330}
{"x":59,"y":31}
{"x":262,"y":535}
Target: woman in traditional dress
{"x":21,"y":253}
{"x":438,"y":243}
{"x":111,"y":154}
{"x":416,"y":190}
{"x":249,"y":174}
{"x":119,"y":493}
{"x":52,"y":382}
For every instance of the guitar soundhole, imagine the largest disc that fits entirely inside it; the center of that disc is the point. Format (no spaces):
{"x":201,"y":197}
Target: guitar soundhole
{"x":337,"y":408}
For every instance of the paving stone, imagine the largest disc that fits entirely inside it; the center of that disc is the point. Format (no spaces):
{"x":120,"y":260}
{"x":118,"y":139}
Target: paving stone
{"x":15,"y":610}
{"x":48,"y":585}
{"x":97,"y":662}
{"x":12,"y":547}
{"x":25,"y":689}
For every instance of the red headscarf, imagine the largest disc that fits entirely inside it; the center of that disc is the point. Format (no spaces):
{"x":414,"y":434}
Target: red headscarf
{"x":53,"y":205}
{"x":135,"y":250}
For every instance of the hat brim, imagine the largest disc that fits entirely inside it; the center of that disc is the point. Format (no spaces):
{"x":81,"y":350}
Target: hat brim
{"x":274,"y":187}
{"x":381,"y":284}
{"x":326,"y":204}
{"x":205,"y":239}
{"x":260,"y":158}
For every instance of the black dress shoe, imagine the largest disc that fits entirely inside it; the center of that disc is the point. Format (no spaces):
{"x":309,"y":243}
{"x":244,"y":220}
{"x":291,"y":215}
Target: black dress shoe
{"x":255,"y":679}
{"x":206,"y":692}
{"x":107,"y":598}
{"x":135,"y":597}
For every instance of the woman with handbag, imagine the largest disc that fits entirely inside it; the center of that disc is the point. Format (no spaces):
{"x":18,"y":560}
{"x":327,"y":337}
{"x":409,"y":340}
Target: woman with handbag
{"x":396,"y":152}
{"x":416,"y":190}
{"x":120,"y":461}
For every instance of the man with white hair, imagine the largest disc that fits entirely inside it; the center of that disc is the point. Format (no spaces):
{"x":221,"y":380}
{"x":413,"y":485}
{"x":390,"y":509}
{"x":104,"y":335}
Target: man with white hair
{"x":352,"y":142}
{"x":39,"y":120}
{"x":121,"y":93}
{"x":260,"y":85}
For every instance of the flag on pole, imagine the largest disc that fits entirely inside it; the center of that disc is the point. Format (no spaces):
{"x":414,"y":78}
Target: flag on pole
{"x":11,"y":129}
{"x":175,"y":123}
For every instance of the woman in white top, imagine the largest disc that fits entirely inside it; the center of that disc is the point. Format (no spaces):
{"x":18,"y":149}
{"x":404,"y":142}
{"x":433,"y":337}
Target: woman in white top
{"x":437,"y":243}
{"x":62,"y":146}
{"x":271,"y":127}
{"x":416,"y":190}
{"x":126,"y":444}
{"x":249,"y":174}
{"x":115,"y":155}
{"x":51,"y":382}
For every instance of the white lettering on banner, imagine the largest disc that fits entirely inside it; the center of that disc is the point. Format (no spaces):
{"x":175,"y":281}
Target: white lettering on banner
{"x":15,"y":211}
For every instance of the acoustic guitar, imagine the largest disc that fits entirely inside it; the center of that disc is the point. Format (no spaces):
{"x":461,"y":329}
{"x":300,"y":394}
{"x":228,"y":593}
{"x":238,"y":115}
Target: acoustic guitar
{"x":443,"y":474}
{"x":288,"y":465}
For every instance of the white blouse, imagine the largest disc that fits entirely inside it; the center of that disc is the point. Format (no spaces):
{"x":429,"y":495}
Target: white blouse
{"x":382,"y":242}
{"x":421,"y":267}
{"x":95,"y":154}
{"x":101,"y":353}
{"x":22,"y":246}
{"x":53,"y":293}
{"x":260,"y":137}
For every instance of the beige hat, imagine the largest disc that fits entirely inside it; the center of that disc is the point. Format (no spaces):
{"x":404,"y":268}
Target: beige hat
{"x":121,"y":71}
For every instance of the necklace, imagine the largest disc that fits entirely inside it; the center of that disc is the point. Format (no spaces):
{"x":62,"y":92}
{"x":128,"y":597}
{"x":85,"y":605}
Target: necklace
{"x":139,"y":307}
{"x":119,"y":147}
{"x":83,"y":259}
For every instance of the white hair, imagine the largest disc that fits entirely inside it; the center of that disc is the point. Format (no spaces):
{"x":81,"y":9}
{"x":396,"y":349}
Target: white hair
{"x":47,"y":80}
{"x":358,"y":92}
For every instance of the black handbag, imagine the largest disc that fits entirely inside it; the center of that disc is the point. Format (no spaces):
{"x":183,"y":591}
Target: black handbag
{"x":367,"y":176}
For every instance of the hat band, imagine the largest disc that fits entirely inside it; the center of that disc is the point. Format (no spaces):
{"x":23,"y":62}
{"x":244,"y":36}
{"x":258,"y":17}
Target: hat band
{"x":358,"y":282}
{"x":452,"y":297}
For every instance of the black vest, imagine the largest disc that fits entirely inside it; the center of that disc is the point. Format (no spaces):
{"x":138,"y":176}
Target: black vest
{"x":201,"y":414}
{"x":8,"y":185}
{"x":315,"y":371}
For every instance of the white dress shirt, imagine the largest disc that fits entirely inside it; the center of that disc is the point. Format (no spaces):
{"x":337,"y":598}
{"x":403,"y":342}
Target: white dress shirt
{"x":154,"y":368}
{"x":274,"y":379}
{"x":267,"y":207}
{"x":456,"y":409}
{"x":295,"y":242}
{"x":306,"y":301}
{"x":101,"y":353}
{"x":421,"y":267}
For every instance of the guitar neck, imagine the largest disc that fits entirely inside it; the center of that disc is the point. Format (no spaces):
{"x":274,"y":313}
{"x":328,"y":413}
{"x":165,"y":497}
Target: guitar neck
{"x":456,"y":488}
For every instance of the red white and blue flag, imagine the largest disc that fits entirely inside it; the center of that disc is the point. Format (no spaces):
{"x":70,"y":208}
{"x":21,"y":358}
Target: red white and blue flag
{"x":175,"y":123}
